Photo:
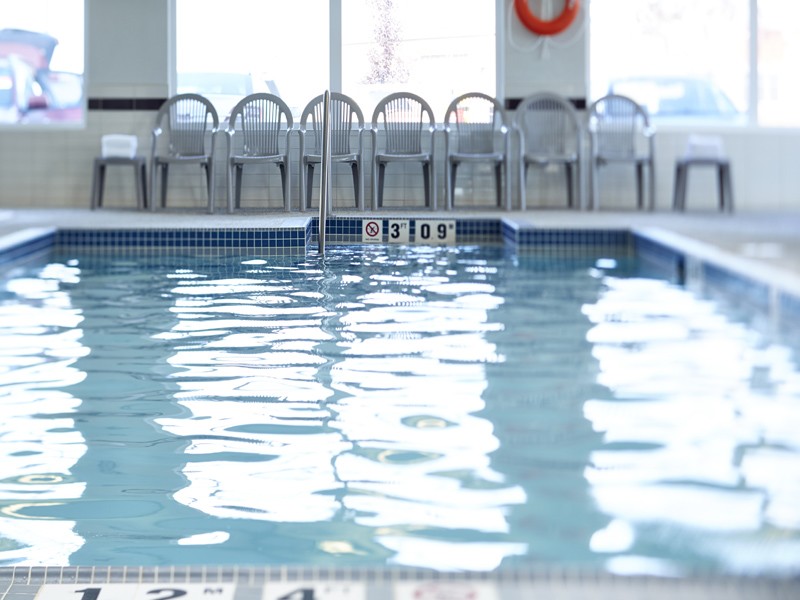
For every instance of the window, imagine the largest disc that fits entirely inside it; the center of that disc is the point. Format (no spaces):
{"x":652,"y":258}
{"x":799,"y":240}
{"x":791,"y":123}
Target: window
{"x":778,"y":57}
{"x":225,"y":49}
{"x":437,"y":50}
{"x":41,"y":63}
{"x":685,"y":61}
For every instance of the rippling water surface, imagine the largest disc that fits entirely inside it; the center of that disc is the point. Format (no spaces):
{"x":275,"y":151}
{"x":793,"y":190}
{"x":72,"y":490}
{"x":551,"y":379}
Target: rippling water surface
{"x":445,"y":408}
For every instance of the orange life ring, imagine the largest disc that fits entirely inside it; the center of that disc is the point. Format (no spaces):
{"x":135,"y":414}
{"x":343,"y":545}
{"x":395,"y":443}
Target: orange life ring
{"x":542,"y":27}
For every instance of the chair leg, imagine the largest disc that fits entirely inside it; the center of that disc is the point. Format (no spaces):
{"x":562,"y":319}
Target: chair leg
{"x":354,"y":171}
{"x":451,"y":181}
{"x":309,"y":184}
{"x":379,"y":189}
{"x":151,"y":194}
{"x":426,"y":181}
{"x":138,"y":173}
{"x":287,"y":198}
{"x":284,"y":183}
{"x":164,"y":176}
{"x":498,"y":179}
{"x":361,"y":199}
{"x":523,"y":182}
{"x":209,"y":168}
{"x":640,"y":185}
{"x":679,"y":188}
{"x":570,"y":190}
{"x":651,"y":168}
{"x":683,"y":186}
{"x":728,"y":186}
{"x":594,"y":186}
{"x":238,"y":171}
{"x":98,"y":181}
{"x":724,"y":183}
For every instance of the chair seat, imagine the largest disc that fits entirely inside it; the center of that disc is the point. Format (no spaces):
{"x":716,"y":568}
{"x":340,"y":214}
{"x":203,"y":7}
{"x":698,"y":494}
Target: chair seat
{"x":316,"y":158}
{"x":623,"y":159}
{"x":244,"y":159}
{"x":181,"y":159}
{"x":476,"y":158}
{"x":382,"y":157}
{"x":542,"y":159}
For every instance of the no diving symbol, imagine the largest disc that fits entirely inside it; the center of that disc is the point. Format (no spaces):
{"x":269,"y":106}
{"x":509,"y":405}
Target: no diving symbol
{"x":371,"y":231}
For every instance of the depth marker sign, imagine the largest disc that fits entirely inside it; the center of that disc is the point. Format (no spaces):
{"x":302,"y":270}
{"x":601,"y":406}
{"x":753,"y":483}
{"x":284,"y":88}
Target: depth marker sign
{"x":371,"y":231}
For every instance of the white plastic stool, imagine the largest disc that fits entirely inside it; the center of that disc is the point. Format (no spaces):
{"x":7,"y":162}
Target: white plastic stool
{"x":119,"y":149}
{"x":704,"y":151}
{"x":139,"y":164}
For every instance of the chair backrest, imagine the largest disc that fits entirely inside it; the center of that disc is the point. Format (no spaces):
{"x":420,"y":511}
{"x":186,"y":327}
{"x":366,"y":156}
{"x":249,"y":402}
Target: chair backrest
{"x":262,"y":120}
{"x":403,"y":117}
{"x":185,"y":118}
{"x":477,"y":119}
{"x":549,"y":125}
{"x":346,"y":116}
{"x":616,"y":123}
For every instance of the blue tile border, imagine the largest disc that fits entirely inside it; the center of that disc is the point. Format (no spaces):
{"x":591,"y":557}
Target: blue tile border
{"x":660,"y":259}
{"x":666,"y":255}
{"x":277,"y":241}
{"x":24,"y":244}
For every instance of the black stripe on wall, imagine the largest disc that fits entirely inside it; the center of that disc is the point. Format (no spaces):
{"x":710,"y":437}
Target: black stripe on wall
{"x":578,"y":103}
{"x":126,"y":103}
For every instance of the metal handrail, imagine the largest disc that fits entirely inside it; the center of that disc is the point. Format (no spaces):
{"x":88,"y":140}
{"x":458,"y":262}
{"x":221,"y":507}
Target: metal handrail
{"x":325,"y":182}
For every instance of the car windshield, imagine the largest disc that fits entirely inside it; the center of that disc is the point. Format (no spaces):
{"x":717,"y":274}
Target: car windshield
{"x":6,"y":87}
{"x":62,"y":89}
{"x":677,"y":97}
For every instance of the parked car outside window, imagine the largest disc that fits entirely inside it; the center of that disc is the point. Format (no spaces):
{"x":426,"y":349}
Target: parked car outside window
{"x":676,"y":100}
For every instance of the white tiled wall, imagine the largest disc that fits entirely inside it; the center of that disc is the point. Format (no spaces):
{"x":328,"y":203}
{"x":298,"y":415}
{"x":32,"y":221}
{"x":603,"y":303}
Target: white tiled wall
{"x":54,"y":169}
{"x":129,"y":43}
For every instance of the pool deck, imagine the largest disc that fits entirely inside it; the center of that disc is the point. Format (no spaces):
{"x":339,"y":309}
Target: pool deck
{"x":758,"y":242}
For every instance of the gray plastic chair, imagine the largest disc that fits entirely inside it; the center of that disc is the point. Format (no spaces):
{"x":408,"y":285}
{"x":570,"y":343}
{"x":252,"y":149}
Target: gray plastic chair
{"x":188,"y":123}
{"x":479,"y":125}
{"x":620,"y":132}
{"x":263,"y":122}
{"x":549,"y":134}
{"x":346,"y":120}
{"x":406,"y":124}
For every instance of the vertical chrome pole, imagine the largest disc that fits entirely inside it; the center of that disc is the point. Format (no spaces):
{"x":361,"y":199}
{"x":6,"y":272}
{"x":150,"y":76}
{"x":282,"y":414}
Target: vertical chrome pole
{"x":325,"y":183}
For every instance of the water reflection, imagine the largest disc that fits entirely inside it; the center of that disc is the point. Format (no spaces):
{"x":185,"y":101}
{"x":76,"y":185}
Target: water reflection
{"x":40,"y":341}
{"x":535,"y":402}
{"x":417,"y":408}
{"x":700,"y":437}
{"x":348,"y":407}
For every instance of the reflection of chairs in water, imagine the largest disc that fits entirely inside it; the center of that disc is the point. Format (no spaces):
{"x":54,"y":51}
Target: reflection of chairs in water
{"x":186,"y":122}
{"x":262,"y":122}
{"x":478,"y":123}
{"x":405,"y":121}
{"x":620,"y":132}
{"x":550,"y":134}
{"x":346,"y":119}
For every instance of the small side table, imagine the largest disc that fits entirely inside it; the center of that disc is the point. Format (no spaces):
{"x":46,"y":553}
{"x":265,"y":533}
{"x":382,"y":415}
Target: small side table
{"x":139,"y":164}
{"x":725,"y":187}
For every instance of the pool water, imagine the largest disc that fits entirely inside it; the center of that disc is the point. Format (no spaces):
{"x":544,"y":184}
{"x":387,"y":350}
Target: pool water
{"x":447,"y":408}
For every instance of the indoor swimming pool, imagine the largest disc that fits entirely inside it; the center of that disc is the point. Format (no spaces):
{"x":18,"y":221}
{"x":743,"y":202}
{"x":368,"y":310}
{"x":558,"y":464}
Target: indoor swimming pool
{"x":455,"y":408}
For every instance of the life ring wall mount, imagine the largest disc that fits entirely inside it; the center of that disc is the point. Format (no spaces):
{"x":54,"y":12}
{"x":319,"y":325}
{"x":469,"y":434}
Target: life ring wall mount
{"x":547,"y":27}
